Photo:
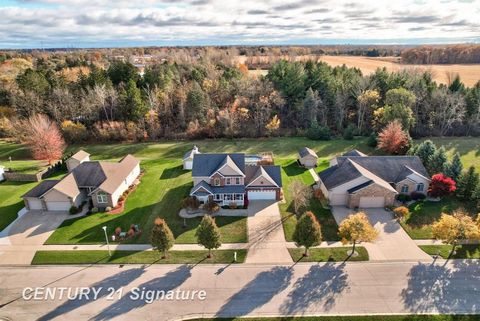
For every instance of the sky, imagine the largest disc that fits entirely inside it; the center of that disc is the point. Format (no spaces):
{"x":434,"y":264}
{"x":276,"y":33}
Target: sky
{"x":123,"y":23}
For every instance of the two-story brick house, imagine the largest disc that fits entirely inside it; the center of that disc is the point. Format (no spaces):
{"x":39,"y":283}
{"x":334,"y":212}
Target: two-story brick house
{"x":226,"y":179}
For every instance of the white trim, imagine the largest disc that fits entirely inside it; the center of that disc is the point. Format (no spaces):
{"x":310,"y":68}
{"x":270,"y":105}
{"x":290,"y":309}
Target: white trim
{"x":238,"y":170}
{"x":191,"y":193}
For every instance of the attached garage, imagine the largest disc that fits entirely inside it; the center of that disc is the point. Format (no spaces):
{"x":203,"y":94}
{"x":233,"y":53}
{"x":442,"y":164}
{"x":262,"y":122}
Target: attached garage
{"x":34,"y":203}
{"x":262,"y":195}
{"x":337,"y":199}
{"x":58,"y":206}
{"x":370,"y":202}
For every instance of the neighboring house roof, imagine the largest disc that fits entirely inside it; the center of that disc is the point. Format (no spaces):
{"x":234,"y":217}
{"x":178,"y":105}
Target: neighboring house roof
{"x":191,"y":153}
{"x":80,"y":155}
{"x":116,"y":173}
{"x":200,"y":187}
{"x":269,"y":172}
{"x":205,"y":165}
{"x":41,"y":188}
{"x":389,"y":168}
{"x":354,"y":152}
{"x":98,"y":175}
{"x":305,"y":151}
{"x":382,"y":170}
{"x":67,"y":186}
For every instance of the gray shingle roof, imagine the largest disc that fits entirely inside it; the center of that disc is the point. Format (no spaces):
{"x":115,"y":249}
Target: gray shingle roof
{"x":80,"y":155}
{"x":391,"y":169}
{"x":41,"y":188}
{"x":356,"y":188}
{"x":89,"y":174}
{"x":354,"y":152}
{"x":191,"y":153}
{"x":237,"y":189}
{"x":253,"y":172}
{"x":307,"y":151}
{"x":199,"y":186}
{"x":207,"y":164}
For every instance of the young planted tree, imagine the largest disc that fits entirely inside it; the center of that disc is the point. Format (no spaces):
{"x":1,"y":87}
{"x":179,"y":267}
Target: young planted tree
{"x":467,"y":183}
{"x":162,"y":237}
{"x":454,"y":169}
{"x":393,"y":139}
{"x":43,"y":138}
{"x":456,"y":227}
{"x":441,"y":185}
{"x":438,"y":161}
{"x":208,"y":234}
{"x":300,"y":194}
{"x":307,"y":232}
{"x":356,"y":228}
{"x":425,"y":151}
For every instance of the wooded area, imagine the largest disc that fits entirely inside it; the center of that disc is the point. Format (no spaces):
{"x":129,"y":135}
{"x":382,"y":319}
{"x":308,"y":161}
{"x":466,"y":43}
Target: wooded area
{"x":91,"y":95}
{"x":455,"y":54}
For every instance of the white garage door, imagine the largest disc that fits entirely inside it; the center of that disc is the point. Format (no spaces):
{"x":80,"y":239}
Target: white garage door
{"x":337,"y":199}
{"x":58,"y":206}
{"x":366,"y":202}
{"x":35,"y":204}
{"x":261,"y":195}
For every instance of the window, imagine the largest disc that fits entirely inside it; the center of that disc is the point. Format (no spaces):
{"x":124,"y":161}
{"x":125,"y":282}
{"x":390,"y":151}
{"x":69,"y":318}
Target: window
{"x":237,"y":180}
{"x":405,"y":189}
{"x":239,"y":197}
{"x":102,"y":198}
{"x":420,"y":187}
{"x":126,"y":182}
{"x":216,"y":182}
{"x":228,"y":197}
{"x":218,"y":197}
{"x":228,"y":181}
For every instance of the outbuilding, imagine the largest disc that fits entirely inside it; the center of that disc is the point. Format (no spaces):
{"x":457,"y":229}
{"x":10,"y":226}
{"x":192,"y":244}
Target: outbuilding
{"x":307,"y":157}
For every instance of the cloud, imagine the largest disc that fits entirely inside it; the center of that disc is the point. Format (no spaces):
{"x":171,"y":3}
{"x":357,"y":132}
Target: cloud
{"x":110,"y":22}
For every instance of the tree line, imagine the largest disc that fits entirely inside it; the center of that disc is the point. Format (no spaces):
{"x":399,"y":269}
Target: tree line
{"x":208,"y":99}
{"x":454,"y":54}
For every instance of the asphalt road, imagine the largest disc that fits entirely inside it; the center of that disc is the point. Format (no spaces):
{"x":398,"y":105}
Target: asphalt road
{"x":240,"y":290}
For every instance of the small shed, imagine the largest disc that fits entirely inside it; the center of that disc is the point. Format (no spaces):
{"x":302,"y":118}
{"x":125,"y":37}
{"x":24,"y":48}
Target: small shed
{"x":188,"y":158}
{"x":307,"y":157}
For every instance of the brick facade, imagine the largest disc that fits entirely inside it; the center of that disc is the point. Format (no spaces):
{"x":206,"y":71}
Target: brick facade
{"x":373,"y":190}
{"x":412,"y":187}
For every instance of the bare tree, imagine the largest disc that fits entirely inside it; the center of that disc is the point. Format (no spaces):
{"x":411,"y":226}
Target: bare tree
{"x":449,"y":108}
{"x":300,"y":194}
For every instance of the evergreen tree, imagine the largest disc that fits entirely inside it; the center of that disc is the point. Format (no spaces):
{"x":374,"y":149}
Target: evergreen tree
{"x":162,"y":237}
{"x":310,"y":108}
{"x":307,"y":232}
{"x":438,"y":161}
{"x":467,"y":183}
{"x":132,"y":105}
{"x":454,"y":169}
{"x":425,"y":151}
{"x":208,"y":234}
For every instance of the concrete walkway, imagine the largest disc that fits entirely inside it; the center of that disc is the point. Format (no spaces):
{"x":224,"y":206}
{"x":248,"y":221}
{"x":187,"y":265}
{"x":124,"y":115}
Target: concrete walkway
{"x":265,"y":234}
{"x":393,"y":243}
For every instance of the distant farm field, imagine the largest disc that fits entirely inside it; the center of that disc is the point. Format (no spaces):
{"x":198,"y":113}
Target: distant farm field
{"x":469,"y":73}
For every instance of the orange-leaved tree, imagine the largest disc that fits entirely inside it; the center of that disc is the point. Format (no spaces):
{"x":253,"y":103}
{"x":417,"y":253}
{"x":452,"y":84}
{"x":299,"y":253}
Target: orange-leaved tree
{"x":393,"y":139}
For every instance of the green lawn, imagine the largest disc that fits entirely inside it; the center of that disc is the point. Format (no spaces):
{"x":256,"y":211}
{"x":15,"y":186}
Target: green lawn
{"x":160,"y":192}
{"x":135,"y":257}
{"x":291,"y":172}
{"x":469,"y":251}
{"x":331,"y":254}
{"x":423,"y":214}
{"x":361,"y":318}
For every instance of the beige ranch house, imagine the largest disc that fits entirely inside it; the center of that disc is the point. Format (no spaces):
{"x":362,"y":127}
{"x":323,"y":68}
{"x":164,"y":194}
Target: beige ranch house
{"x":102,"y":182}
{"x":356,"y":180}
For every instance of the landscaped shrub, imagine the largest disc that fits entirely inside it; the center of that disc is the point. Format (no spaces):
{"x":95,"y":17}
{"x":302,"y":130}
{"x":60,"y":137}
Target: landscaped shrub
{"x":191,"y":203}
{"x":317,"y":132}
{"x":372,"y":140}
{"x":349,"y":132}
{"x":401,"y":212}
{"x":416,"y":196}
{"x":108,"y":209}
{"x":94,"y":210}
{"x":74,"y":132}
{"x":211,"y":207}
{"x":233,"y":205}
{"x":118,"y":230}
{"x":73,"y":210}
{"x":404,"y":198}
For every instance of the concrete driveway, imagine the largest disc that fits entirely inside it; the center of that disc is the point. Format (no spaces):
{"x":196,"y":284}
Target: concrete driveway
{"x":393,"y":243}
{"x":27,"y":232}
{"x":265,"y":234}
